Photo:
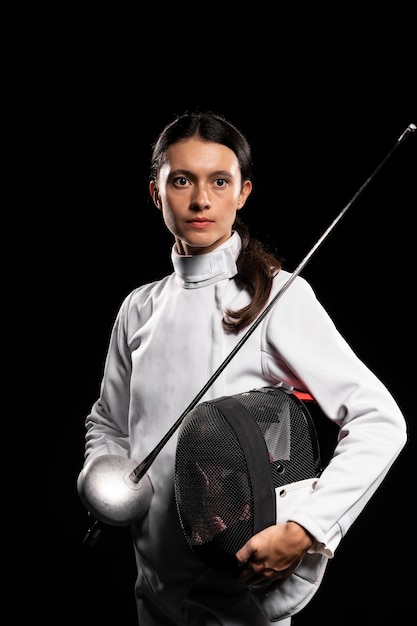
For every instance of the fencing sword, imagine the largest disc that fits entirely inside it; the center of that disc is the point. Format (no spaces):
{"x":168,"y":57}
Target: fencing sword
{"x":117,"y":491}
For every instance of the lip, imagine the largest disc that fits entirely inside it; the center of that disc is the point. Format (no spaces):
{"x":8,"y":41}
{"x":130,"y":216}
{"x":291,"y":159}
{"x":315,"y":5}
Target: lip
{"x":199,"y":223}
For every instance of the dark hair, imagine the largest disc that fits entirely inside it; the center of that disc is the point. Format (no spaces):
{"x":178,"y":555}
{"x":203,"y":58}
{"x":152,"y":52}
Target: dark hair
{"x":256,"y":266}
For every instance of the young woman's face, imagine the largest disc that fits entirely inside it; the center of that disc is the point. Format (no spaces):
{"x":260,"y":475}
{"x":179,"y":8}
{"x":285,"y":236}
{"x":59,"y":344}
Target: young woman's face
{"x":199,"y":189}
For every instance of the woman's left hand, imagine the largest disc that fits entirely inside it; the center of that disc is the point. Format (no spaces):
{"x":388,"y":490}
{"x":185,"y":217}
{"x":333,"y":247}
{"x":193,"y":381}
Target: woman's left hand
{"x":272,"y":555}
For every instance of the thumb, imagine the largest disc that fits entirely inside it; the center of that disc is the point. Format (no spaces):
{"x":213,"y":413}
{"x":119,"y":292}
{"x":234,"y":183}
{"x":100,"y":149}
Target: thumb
{"x":243,"y":555}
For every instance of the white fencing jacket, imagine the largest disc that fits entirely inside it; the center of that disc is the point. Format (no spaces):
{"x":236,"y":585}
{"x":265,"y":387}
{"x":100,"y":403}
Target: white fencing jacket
{"x":166,"y":343}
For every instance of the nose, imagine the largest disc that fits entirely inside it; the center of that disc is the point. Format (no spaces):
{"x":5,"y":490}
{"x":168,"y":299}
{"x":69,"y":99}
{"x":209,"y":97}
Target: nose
{"x":200,"y":199}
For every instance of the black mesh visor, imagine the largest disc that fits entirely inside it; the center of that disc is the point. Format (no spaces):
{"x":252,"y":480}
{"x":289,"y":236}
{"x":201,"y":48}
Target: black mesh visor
{"x":232,"y":453}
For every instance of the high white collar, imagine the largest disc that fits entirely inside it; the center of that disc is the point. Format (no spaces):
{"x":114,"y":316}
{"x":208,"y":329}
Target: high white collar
{"x":205,"y":269}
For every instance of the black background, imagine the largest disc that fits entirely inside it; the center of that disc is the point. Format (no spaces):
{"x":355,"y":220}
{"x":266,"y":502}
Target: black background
{"x":319,"y":127}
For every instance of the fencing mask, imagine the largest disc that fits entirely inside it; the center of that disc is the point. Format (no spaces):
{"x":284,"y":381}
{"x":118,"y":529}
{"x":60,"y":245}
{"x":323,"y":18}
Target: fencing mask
{"x":236,"y":457}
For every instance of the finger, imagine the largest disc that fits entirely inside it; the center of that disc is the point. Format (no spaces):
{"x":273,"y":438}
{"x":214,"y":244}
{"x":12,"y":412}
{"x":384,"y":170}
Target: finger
{"x":243,"y":555}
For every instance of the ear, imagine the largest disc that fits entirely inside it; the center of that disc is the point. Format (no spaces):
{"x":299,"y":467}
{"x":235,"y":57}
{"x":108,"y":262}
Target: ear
{"x":153,"y":190}
{"x":244,"y":194}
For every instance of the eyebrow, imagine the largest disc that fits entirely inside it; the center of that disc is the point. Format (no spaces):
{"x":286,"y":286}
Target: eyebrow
{"x":184,"y":172}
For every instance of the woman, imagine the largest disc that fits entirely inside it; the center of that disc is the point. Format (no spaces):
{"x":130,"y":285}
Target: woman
{"x":168,"y":339}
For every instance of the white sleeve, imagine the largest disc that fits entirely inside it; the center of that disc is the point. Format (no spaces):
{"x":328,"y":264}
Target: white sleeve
{"x":300,"y":337}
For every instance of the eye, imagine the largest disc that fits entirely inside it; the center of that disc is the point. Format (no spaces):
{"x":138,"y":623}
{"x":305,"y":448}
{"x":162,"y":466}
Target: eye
{"x":220,"y":182}
{"x":181,"y":181}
